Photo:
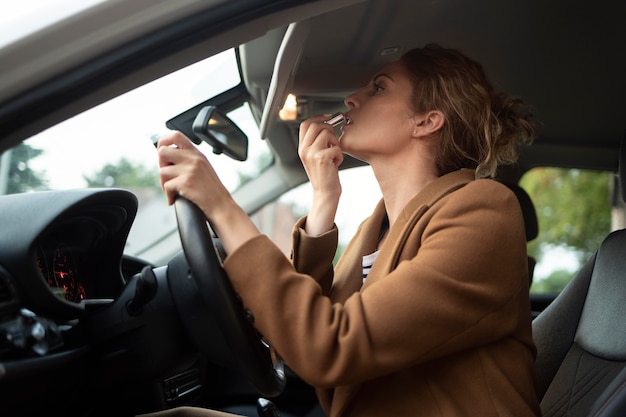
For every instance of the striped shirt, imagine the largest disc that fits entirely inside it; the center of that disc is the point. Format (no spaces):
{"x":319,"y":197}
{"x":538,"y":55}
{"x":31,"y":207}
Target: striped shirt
{"x":368,"y":261}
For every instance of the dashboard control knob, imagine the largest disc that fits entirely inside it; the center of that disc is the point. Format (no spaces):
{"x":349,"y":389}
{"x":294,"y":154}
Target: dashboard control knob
{"x":145,"y":290}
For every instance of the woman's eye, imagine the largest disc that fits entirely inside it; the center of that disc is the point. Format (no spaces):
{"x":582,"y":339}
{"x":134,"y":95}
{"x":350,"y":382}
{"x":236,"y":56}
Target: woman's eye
{"x":377,"y":88}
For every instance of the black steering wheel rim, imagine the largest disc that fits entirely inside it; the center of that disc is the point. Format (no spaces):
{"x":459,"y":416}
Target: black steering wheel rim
{"x":256,"y":360}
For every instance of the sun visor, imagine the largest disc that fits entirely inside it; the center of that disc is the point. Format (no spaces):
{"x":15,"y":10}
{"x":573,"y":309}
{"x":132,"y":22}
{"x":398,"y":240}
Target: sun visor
{"x":286,"y":64}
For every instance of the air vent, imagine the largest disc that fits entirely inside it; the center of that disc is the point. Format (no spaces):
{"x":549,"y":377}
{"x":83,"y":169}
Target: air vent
{"x":7,"y":290}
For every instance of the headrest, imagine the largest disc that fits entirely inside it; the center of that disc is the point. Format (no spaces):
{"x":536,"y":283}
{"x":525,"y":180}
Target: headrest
{"x":621,"y":171}
{"x":528,"y":211}
{"x":602,"y":328}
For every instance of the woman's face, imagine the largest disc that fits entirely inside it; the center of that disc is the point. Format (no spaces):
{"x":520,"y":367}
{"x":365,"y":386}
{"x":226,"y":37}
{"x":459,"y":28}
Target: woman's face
{"x":380,"y":119}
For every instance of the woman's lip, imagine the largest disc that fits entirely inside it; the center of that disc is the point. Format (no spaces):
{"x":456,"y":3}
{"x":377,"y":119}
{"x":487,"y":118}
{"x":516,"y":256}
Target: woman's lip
{"x":347,"y":123}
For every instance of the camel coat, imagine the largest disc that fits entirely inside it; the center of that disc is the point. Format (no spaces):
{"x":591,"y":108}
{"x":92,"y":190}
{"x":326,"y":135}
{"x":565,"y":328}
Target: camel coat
{"x":442,"y":325}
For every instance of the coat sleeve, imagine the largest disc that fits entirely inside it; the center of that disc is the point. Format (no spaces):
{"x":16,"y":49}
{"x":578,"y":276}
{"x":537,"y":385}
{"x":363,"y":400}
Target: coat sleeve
{"x":460,"y":290}
{"x":313,"y":256}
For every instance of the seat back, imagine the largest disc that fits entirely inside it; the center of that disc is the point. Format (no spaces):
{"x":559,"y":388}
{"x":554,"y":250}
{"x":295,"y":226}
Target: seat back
{"x":530,"y":222}
{"x":581,"y":336}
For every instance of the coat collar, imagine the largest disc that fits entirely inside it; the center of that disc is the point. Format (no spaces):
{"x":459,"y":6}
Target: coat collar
{"x":348,"y":273}
{"x":436,"y":190}
{"x":412,"y":212}
{"x":426,"y":197}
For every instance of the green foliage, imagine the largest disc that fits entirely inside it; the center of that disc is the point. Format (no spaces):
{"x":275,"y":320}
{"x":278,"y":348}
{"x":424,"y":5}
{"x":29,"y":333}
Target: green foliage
{"x":574,"y":213}
{"x":553,"y":284}
{"x":573,"y":209}
{"x":124,"y":174}
{"x":21,"y":177}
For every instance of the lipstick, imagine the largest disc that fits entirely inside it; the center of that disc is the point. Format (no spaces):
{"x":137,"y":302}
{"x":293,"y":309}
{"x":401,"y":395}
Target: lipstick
{"x":336,"y":119}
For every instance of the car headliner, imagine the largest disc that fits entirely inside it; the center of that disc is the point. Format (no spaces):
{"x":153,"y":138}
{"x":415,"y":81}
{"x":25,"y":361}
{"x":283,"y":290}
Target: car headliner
{"x":567,"y":59}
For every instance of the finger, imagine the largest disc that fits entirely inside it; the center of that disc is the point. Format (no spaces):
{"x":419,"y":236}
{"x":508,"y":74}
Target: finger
{"x":316,"y":139}
{"x":171,"y":191}
{"x":307,"y":123}
{"x":177,"y":150}
{"x":169,"y":155}
{"x":166,"y":173}
{"x":332,"y":140}
{"x":167,"y":177}
{"x":178,"y":181}
{"x":329,"y":156}
{"x":175,"y":139}
{"x":311,"y":128}
{"x":337,"y":156}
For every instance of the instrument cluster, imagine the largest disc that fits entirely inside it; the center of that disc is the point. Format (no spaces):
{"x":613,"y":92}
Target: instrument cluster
{"x":62,"y":250}
{"x":70,"y":257}
{"x":61,"y":271}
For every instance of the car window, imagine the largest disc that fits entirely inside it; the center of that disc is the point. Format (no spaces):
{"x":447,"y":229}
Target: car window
{"x":360,"y":194}
{"x":111,"y":145}
{"x":574,"y":213}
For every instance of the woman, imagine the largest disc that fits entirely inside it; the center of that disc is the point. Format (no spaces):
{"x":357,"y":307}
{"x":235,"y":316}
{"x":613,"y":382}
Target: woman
{"x":440,"y":326}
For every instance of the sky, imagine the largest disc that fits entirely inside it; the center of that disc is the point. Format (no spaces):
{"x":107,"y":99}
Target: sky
{"x":20,"y":17}
{"x":125,"y":125}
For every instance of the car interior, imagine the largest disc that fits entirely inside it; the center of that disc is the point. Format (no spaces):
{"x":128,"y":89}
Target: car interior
{"x":580,"y":336}
{"x":91,"y":326}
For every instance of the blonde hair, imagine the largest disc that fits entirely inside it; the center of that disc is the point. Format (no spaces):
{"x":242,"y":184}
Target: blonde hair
{"x":483,"y":129}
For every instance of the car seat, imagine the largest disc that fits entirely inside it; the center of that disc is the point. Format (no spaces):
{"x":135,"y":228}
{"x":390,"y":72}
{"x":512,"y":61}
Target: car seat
{"x":581,"y":337}
{"x":530,"y":222}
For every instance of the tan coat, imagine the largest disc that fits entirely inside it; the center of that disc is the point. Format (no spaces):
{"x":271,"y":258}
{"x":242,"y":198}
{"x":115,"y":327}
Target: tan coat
{"x":442,"y":325}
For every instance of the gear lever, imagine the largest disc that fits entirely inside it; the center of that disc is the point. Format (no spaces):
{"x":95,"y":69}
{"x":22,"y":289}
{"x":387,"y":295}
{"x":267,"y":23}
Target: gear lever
{"x":266,"y":408}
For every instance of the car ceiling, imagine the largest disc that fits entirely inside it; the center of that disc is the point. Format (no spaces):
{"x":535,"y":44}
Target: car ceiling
{"x":567,"y":59}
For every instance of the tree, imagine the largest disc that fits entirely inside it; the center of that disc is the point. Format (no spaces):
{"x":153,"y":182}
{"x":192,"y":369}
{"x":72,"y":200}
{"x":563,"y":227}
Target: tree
{"x":124,"y":174}
{"x":573,"y":212}
{"x":553,"y":284}
{"x":21,"y":177}
{"x":573,"y":209}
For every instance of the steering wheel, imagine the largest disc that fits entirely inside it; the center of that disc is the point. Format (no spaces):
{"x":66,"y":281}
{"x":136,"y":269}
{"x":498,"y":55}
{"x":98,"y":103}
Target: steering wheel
{"x":257,"y":361}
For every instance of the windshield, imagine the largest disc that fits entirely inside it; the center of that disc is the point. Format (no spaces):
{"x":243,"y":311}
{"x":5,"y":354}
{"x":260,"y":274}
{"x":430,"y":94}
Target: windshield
{"x":27,"y":16}
{"x":112,"y":146}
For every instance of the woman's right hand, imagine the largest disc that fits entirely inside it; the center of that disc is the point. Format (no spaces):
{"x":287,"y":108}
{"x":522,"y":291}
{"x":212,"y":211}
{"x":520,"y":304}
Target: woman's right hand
{"x":321,"y":156}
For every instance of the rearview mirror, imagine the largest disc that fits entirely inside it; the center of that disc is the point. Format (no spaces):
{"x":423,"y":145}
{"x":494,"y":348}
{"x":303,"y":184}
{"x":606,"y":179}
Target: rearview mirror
{"x":215,"y":128}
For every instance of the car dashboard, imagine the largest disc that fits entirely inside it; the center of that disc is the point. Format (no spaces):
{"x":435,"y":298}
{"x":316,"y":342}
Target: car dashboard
{"x":60,"y":255}
{"x":80,"y":319}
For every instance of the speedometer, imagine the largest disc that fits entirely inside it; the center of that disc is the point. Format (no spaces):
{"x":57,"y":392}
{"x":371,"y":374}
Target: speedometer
{"x":61,"y":272}
{"x":64,"y":276}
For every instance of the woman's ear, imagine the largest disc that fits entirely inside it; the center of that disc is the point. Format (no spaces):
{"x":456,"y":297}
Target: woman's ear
{"x":428,"y":123}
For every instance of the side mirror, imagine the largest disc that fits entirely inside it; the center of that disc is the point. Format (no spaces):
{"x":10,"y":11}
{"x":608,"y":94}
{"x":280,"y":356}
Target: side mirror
{"x":216,"y":129}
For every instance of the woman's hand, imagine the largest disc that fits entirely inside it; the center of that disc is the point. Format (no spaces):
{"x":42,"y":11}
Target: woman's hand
{"x":321,"y":156}
{"x":186,"y":171}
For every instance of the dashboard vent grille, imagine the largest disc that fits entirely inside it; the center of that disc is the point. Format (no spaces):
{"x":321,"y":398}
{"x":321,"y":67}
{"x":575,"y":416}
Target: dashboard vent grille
{"x":7,"y":292}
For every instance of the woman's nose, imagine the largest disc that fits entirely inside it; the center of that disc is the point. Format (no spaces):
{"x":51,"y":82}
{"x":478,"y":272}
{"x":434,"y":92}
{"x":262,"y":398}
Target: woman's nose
{"x":351,"y":101}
